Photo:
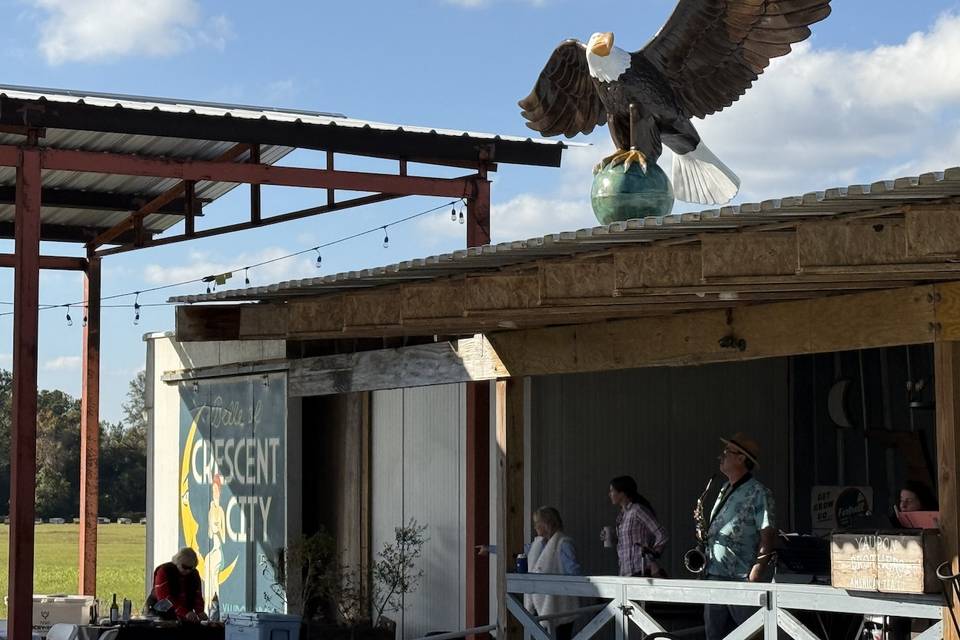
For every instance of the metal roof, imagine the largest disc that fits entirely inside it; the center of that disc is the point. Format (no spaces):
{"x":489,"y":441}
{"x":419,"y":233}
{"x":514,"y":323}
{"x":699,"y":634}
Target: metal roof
{"x":239,"y":123}
{"x":889,"y":195}
{"x":96,"y":183}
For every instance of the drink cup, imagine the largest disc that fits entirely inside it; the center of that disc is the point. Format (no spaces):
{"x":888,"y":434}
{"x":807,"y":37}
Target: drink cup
{"x":607,"y":536}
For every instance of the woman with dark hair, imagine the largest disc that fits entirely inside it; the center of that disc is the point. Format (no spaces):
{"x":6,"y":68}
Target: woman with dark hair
{"x":640,"y":537}
{"x":916,"y":496}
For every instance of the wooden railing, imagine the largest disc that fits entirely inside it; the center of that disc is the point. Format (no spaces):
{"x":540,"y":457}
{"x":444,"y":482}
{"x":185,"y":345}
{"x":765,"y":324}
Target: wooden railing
{"x":776,"y":604}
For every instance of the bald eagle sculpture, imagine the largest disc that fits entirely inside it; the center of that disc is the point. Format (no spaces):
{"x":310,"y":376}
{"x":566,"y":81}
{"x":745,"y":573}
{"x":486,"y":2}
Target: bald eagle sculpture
{"x":703,"y":59}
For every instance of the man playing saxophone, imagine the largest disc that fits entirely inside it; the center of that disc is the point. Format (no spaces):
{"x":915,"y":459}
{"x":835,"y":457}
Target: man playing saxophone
{"x":741,"y":533}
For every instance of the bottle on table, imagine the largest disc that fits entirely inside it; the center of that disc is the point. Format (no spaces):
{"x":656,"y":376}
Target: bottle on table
{"x":214,"y":608}
{"x":114,"y":610}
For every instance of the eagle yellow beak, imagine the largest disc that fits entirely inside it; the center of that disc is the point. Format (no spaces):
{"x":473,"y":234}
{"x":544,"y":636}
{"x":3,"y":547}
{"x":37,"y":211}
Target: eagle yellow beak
{"x":601,"y":44}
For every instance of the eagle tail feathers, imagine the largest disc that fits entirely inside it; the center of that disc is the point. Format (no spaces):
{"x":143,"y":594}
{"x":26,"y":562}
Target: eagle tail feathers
{"x":701,"y":177}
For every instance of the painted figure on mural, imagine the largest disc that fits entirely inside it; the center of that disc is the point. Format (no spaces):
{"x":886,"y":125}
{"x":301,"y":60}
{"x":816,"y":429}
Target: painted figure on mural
{"x":216,"y":528}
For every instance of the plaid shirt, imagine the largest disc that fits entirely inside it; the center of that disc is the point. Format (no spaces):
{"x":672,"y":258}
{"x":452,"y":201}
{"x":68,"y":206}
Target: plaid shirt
{"x":640,"y":538}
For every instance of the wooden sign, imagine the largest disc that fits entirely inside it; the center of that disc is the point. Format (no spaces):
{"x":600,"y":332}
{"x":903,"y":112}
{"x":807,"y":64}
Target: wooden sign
{"x":853,"y":561}
{"x":907,"y":562}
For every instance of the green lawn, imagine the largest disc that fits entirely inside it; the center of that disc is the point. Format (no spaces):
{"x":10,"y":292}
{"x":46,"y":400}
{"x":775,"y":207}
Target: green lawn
{"x":120,"y":561}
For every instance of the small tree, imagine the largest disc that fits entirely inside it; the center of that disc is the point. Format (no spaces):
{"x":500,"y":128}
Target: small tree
{"x":395,"y":572}
{"x":306,"y":574}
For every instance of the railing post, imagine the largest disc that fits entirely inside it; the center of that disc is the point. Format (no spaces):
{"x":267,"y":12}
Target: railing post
{"x":770,"y":617}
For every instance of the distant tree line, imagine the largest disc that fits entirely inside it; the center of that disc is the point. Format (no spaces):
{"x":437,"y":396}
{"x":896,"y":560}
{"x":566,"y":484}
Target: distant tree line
{"x":123,"y":454}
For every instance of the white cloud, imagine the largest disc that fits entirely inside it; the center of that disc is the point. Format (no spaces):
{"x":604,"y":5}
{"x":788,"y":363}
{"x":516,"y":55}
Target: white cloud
{"x":89,"y":30}
{"x":823,"y":118}
{"x":62,"y":363}
{"x":200,"y":264}
{"x":817,"y":118}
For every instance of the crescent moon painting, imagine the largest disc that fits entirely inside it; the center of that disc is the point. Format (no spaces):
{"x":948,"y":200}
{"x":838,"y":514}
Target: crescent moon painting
{"x":837,"y":403}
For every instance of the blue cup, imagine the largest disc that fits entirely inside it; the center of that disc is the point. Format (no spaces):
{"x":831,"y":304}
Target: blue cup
{"x":521,"y":563}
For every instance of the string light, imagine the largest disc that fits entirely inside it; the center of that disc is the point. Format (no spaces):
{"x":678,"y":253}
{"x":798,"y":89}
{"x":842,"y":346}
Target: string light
{"x":137,"y":306}
{"x":319,"y":257}
{"x":246,"y":276}
{"x":69,"y":319}
{"x":453,"y":214}
{"x":461,"y":217}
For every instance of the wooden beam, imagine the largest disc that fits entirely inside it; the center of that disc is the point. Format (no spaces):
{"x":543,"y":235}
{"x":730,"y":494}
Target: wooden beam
{"x":90,"y":432}
{"x":61,"y":263}
{"x":657,"y":266}
{"x":510,"y":507}
{"x":946,"y":375}
{"x":464,"y":360}
{"x":933,"y":230}
{"x":23,"y":428}
{"x":854,"y":243}
{"x":856,"y":321}
{"x":590,"y":278}
{"x":215,"y":322}
{"x":749,"y":254}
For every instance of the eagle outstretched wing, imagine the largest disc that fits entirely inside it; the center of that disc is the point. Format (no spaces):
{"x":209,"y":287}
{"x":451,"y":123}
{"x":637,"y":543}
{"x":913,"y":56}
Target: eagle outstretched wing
{"x":711,"y":51}
{"x":564,"y":100}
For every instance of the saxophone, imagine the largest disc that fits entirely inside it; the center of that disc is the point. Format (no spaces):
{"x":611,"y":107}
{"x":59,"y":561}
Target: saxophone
{"x":695,"y":560}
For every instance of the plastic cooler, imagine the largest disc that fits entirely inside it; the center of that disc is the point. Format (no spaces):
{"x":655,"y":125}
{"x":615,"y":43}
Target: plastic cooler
{"x":262,"y":626}
{"x":49,"y":610}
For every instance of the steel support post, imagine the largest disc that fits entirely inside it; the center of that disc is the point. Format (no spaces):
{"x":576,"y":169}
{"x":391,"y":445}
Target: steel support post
{"x":478,"y":212}
{"x":90,"y":431}
{"x":478,"y":503}
{"x":23,"y":439}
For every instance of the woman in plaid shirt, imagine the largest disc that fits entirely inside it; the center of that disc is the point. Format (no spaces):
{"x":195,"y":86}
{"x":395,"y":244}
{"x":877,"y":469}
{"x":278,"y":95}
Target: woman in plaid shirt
{"x":640,"y":536}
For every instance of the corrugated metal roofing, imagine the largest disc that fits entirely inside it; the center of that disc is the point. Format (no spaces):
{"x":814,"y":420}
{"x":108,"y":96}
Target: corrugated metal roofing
{"x":241,"y":111}
{"x":132,"y":185}
{"x":890,"y":194}
{"x":176,"y":147}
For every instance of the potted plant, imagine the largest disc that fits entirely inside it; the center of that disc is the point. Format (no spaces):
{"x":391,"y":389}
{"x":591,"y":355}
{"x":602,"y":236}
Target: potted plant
{"x":310,"y":579}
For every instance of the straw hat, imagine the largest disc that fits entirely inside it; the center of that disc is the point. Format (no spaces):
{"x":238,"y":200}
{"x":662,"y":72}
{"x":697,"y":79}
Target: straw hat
{"x":746,"y":445}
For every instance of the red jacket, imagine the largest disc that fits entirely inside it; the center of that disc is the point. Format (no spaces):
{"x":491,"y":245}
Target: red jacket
{"x":184,"y":591}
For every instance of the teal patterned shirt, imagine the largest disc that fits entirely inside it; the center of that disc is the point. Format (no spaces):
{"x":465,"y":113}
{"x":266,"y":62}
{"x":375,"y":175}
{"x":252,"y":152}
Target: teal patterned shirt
{"x":733,"y":539}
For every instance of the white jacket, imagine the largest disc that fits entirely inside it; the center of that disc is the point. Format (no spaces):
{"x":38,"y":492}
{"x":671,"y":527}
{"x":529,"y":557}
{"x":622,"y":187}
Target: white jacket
{"x":544,"y":557}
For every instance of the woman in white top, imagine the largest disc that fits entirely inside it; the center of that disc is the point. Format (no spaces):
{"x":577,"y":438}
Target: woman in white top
{"x":552,"y":552}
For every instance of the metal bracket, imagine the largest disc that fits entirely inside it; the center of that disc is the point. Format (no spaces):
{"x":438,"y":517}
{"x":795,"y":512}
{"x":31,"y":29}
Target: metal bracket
{"x":626,"y":609}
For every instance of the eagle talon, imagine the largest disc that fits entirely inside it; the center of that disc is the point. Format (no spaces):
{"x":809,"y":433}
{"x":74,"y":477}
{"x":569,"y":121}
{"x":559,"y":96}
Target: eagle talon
{"x":626,"y":158}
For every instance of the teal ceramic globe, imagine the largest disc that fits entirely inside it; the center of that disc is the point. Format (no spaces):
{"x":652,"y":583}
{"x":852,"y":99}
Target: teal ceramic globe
{"x":618,"y":195}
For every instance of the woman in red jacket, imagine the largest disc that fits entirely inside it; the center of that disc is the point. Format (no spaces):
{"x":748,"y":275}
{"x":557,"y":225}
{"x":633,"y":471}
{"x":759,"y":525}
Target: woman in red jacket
{"x":177,"y":593}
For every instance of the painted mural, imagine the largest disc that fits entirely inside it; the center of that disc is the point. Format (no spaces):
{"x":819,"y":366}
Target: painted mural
{"x":232,"y":483}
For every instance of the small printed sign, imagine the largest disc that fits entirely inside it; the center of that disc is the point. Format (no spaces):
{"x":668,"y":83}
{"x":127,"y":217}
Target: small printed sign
{"x":838,"y":507}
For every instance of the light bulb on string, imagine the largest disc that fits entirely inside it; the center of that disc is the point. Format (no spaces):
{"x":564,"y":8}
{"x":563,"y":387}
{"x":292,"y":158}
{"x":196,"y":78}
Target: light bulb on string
{"x":84,"y":317}
{"x":462,"y":220}
{"x":319,"y":257}
{"x":136,"y":309}
{"x":453,"y":214}
{"x":246,"y":276}
{"x":386,"y":239}
{"x":69,"y":319}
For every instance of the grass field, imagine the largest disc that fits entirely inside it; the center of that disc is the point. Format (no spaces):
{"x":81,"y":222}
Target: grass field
{"x":120,"y":561}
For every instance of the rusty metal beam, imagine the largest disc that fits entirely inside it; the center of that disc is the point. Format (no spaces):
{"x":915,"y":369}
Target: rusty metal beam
{"x":61,"y":263}
{"x":90,"y":432}
{"x":218,"y":171}
{"x":135,"y":221}
{"x":241,"y":226}
{"x":478,"y":213}
{"x":255,"y":188}
{"x":189,"y":207}
{"x":23,"y":439}
{"x":92,"y":201}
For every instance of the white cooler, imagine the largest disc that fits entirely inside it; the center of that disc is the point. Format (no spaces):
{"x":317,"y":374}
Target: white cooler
{"x":49,"y":610}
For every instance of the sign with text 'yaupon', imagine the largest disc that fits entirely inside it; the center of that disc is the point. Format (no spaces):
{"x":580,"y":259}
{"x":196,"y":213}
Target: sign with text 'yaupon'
{"x":232,"y":483}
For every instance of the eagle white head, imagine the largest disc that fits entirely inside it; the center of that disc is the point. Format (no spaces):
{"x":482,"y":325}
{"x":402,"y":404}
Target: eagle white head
{"x":607,"y":62}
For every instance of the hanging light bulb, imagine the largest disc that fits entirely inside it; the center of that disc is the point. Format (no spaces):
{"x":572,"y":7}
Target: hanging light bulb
{"x":461,"y":217}
{"x":386,"y":239}
{"x":69,"y":319}
{"x":136,"y":309}
{"x":319,"y":257}
{"x":84,"y":318}
{"x":453,"y":214}
{"x":246,"y":276}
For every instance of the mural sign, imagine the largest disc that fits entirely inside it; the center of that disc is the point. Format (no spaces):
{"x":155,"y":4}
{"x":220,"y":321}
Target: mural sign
{"x":232,"y":483}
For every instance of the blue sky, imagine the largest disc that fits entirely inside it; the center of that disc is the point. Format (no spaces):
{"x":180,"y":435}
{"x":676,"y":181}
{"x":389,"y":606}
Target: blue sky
{"x":874,"y":94}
